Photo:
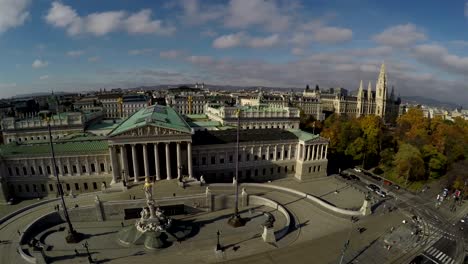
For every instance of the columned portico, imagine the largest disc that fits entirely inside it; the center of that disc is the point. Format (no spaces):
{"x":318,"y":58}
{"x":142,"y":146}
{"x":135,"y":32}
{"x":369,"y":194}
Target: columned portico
{"x":158,"y":137}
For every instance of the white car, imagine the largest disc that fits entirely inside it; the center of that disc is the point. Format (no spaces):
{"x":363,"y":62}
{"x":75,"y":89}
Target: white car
{"x":357,"y":169}
{"x":381,"y":193}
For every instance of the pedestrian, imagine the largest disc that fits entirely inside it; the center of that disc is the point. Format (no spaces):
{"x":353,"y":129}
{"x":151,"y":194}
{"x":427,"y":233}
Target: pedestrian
{"x":19,"y":233}
{"x":173,"y":194}
{"x":77,"y":253}
{"x":122,"y":224}
{"x":134,"y":197}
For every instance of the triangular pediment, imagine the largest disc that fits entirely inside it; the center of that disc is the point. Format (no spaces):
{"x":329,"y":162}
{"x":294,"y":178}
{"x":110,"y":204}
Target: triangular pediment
{"x":149,"y":131}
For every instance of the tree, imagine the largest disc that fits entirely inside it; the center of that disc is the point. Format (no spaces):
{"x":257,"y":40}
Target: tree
{"x":413,"y":127}
{"x":435,"y":162}
{"x":409,"y":163}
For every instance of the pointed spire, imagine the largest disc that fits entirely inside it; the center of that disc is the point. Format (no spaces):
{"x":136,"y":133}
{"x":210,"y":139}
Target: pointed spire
{"x":392,"y":93}
{"x":369,"y":90}
{"x":361,"y":90}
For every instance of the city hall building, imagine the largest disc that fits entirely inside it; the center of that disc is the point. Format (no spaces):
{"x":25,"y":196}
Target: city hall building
{"x":157,"y":142}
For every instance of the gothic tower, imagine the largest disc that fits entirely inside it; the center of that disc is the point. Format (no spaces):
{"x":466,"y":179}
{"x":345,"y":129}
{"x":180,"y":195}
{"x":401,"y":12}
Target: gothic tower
{"x":381,"y":93}
{"x":360,"y":101}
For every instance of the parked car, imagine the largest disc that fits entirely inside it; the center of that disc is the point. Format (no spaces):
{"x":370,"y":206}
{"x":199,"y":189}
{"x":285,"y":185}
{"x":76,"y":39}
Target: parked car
{"x":381,"y":193}
{"x":388,"y":183}
{"x":355,"y":178}
{"x":372,"y":187}
{"x":396,"y":186}
{"x":377,"y":178}
{"x":357,"y":169}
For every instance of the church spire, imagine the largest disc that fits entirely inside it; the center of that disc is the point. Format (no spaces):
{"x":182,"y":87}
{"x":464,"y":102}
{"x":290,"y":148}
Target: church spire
{"x":369,"y":91}
{"x":361,"y":90}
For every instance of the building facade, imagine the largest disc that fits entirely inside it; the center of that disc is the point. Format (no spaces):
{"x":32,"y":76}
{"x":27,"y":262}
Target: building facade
{"x":156,"y":142}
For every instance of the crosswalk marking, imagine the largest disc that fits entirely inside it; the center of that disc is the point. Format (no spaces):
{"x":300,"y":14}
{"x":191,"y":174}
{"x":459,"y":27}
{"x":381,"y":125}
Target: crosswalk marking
{"x":438,"y":255}
{"x":431,"y":250}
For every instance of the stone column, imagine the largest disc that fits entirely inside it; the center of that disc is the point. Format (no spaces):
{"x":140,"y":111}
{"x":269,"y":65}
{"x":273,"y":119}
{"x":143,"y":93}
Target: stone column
{"x":145,"y":160}
{"x":326,"y":150}
{"x":70,"y":169}
{"x":276,"y":152}
{"x":124,"y":165}
{"x":189,"y":159}
{"x":289,"y":152}
{"x":88,"y":167}
{"x":313,"y":152}
{"x":179,"y":165}
{"x":115,"y":167}
{"x":268,"y":152}
{"x":135,"y":163}
{"x":156,"y":161}
{"x":310,"y":154}
{"x":168,"y":162}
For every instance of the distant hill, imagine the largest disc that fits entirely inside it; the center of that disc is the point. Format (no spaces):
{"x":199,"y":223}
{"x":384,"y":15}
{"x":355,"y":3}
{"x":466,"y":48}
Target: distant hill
{"x":428,"y":101}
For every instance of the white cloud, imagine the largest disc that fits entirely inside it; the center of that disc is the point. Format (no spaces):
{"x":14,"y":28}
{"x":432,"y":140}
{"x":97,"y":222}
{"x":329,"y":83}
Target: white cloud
{"x":241,"y":39}
{"x":141,"y":23}
{"x":44,"y":77}
{"x":7,"y":85}
{"x":194,"y":13}
{"x":75,"y":53}
{"x":94,"y":59}
{"x":13,"y":13}
{"x":438,"y":56}
{"x":400,"y":35}
{"x":332,"y":34}
{"x":170,"y":54}
{"x":264,"y":42}
{"x":39,"y":64}
{"x":99,"y":24}
{"x":140,"y":51}
{"x":244,"y":14}
{"x":229,"y":41}
{"x":200,"y":59}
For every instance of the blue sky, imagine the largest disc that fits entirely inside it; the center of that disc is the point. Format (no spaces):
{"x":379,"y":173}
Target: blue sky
{"x":84,"y":45}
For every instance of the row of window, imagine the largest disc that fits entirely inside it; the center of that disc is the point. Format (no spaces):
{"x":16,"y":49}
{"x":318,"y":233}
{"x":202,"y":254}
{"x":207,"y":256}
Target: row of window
{"x":255,"y":173}
{"x":267,"y":126}
{"x":65,"y":170}
{"x":41,"y":188}
{"x":32,"y":138}
{"x":247,"y":157}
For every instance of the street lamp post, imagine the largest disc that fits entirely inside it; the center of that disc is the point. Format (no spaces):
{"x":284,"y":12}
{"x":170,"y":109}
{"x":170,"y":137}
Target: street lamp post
{"x":236,"y":220}
{"x":73,"y":236}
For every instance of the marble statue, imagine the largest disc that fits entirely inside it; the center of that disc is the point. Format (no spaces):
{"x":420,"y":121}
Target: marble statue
{"x":148,"y":187}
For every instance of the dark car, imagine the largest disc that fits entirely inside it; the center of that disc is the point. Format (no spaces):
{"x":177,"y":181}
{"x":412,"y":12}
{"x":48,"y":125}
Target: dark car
{"x":377,"y":178}
{"x":355,"y":178}
{"x":372,"y":187}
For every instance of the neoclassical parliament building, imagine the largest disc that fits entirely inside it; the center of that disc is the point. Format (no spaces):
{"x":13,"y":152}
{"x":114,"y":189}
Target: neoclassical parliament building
{"x":155,"y":142}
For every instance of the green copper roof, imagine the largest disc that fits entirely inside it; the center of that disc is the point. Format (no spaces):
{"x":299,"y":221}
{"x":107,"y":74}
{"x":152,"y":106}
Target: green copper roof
{"x":155,"y":115}
{"x":302,"y":135}
{"x":61,"y":148}
{"x":204,"y":124}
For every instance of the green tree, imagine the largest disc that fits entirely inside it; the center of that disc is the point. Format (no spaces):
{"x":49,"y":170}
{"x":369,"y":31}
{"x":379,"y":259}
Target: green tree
{"x":409,"y":163}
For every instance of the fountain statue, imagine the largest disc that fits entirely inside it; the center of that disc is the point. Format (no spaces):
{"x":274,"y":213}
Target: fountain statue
{"x":151,"y":227}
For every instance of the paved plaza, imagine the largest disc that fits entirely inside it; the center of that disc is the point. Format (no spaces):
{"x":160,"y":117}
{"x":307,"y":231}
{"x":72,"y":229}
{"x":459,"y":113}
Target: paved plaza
{"x":315,"y":233}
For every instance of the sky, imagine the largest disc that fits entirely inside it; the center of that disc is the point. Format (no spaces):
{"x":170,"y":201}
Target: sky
{"x":86,"y":45}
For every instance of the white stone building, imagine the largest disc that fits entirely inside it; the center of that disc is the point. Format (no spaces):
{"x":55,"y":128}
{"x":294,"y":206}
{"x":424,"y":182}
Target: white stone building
{"x":157,"y":143}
